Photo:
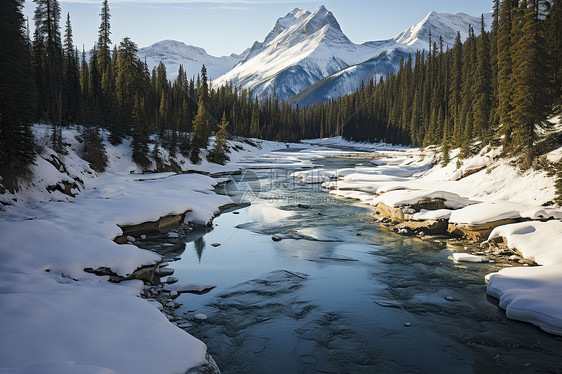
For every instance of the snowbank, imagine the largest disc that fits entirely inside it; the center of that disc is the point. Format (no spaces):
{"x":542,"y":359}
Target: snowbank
{"x":55,"y":317}
{"x":478,"y":190}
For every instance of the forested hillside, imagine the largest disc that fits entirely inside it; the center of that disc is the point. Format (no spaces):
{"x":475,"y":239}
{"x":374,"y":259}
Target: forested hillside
{"x":505,"y":82}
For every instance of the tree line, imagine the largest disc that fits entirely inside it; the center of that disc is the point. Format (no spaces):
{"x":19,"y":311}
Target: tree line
{"x":506,"y":81}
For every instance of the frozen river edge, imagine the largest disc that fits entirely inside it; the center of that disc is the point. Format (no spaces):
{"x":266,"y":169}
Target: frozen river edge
{"x":57,"y":317}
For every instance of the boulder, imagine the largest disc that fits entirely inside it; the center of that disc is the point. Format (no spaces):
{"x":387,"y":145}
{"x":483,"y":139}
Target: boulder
{"x":144,"y":273}
{"x":428,"y":227}
{"x":161,"y":225}
{"x":476,"y":233}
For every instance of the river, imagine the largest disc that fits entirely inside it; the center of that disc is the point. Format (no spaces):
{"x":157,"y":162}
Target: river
{"x":340,"y":293}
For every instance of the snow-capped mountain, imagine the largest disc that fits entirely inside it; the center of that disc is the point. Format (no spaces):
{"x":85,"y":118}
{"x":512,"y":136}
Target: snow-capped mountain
{"x":307,"y":58}
{"x":173,"y":53}
{"x":415,"y":38}
{"x":301,"y":49}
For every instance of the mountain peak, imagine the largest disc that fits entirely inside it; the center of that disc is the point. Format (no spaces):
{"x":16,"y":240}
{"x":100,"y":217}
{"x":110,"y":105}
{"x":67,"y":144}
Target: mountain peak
{"x":445,"y":25}
{"x":320,"y":18}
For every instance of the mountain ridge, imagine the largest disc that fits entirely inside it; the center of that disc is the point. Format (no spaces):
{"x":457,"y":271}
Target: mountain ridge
{"x":306,"y":57}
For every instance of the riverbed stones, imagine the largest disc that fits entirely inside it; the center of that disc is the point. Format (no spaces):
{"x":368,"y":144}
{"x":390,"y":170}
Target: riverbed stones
{"x":428,"y":227}
{"x":200,"y":317}
{"x":161,"y":225}
{"x":171,"y":280}
{"x":144,"y":273}
{"x":476,"y":233}
{"x":165,"y":271}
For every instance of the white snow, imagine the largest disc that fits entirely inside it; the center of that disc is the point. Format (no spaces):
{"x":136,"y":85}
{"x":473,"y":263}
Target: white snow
{"x":467,"y":257}
{"x":55,"y":317}
{"x":480,"y":189}
{"x":530,"y":294}
{"x":174,"y":53}
{"x":432,"y":214}
{"x":537,"y":241}
{"x":410,"y":197}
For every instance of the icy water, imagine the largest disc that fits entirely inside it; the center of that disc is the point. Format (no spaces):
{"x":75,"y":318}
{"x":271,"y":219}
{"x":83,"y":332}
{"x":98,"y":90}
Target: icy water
{"x":340,"y":294}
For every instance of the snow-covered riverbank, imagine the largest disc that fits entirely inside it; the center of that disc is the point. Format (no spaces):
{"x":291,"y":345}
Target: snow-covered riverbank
{"x":55,"y":317}
{"x":479,"y":190}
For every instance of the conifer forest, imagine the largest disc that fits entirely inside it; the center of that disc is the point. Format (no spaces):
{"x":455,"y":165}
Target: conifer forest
{"x":501,"y":87}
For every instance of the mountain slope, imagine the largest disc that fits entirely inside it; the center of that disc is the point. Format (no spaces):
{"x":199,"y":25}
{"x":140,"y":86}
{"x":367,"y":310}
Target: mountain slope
{"x":407,"y":42}
{"x":301,"y":49}
{"x":173,"y":53}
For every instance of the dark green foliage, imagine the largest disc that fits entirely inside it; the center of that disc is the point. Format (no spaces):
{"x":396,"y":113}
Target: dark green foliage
{"x":93,"y":148}
{"x":507,"y":79}
{"x":219,"y":153}
{"x":17,"y":96}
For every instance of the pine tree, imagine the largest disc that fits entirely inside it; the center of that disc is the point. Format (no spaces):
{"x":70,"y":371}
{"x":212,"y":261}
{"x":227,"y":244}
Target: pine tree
{"x":104,"y":40}
{"x":201,"y":124}
{"x":17,"y":97}
{"x":504,"y":43}
{"x":482,"y":87}
{"x":529,"y":90}
{"x":219,"y":153}
{"x":200,"y":132}
{"x":71,"y":82}
{"x":140,"y":133}
{"x":255,"y":121}
{"x":553,"y":29}
{"x":47,"y":21}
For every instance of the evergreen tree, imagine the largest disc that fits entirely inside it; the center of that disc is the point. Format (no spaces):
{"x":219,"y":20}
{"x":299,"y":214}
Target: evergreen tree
{"x":71,"y":83}
{"x":104,"y":40}
{"x":553,"y":28}
{"x":482,"y":87}
{"x":201,"y":123}
{"x":219,"y":152}
{"x":529,"y":90}
{"x":17,"y":97}
{"x":504,"y":90}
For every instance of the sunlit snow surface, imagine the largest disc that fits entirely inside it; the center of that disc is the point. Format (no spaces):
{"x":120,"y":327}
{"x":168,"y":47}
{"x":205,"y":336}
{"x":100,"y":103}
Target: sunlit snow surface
{"x":66,"y":320}
{"x":57,"y":318}
{"x":495,"y":191}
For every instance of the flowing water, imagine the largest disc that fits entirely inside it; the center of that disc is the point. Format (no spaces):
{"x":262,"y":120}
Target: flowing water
{"x":341,"y":294}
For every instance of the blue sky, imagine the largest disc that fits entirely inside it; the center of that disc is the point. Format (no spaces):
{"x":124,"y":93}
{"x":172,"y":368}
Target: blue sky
{"x":223,"y":27}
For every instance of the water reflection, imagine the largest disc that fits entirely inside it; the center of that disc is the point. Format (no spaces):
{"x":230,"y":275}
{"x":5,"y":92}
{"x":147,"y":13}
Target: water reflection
{"x":339,"y":294}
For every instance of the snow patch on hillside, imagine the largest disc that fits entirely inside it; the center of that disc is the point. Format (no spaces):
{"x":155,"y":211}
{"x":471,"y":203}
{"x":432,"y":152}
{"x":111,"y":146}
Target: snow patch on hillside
{"x":56,"y":317}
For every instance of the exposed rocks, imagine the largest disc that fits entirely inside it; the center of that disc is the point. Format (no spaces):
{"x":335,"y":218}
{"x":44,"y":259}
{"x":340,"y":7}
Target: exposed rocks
{"x":498,"y":246}
{"x":145,"y":273}
{"x":65,"y":187}
{"x":395,"y":215}
{"x":161,"y":225}
{"x":476,"y":233}
{"x":467,"y":173}
{"x":429,"y":227}
{"x":200,"y":317}
{"x":163,"y":271}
